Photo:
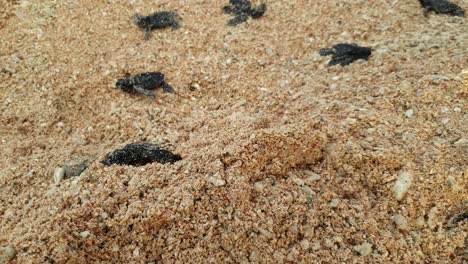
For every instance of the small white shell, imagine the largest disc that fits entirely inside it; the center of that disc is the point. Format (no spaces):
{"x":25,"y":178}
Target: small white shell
{"x":402,"y":185}
{"x":58,"y":175}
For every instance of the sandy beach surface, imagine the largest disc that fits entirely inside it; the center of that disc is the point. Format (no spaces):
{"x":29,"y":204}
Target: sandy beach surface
{"x":284,"y":159}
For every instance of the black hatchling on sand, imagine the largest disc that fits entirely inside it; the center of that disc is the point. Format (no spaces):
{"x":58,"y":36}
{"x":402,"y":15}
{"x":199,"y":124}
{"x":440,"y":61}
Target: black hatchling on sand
{"x":345,"y":54}
{"x":441,"y":7}
{"x":156,"y":20}
{"x":139,"y":154}
{"x":143,"y":83}
{"x":242,"y":9}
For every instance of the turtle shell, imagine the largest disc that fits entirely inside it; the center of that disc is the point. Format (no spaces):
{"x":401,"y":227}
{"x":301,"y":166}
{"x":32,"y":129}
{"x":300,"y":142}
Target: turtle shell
{"x":148,"y":80}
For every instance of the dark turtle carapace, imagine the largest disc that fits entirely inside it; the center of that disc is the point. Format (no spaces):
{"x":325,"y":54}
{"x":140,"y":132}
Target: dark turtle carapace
{"x":441,"y":7}
{"x":139,"y":154}
{"x":143,"y":83}
{"x":156,"y":20}
{"x":345,"y":54}
{"x":242,"y":9}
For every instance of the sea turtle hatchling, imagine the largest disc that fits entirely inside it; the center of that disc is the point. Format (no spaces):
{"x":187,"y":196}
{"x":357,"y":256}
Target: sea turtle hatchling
{"x":441,"y":7}
{"x":156,"y":20}
{"x":143,"y":83}
{"x":242,"y":9}
{"x":139,"y":154}
{"x":345,"y":53}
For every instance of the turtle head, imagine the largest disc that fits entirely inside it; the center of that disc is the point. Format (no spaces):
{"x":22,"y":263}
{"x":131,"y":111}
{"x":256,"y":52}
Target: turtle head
{"x":459,"y":12}
{"x":143,"y":22}
{"x":137,"y":18}
{"x":124,"y":82}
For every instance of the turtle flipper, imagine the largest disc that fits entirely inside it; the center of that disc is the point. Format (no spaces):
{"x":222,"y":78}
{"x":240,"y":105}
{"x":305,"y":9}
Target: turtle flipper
{"x":326,"y":52}
{"x":167,"y":88}
{"x":426,"y":11}
{"x":238,"y":20}
{"x":146,"y":37}
{"x":147,"y":93}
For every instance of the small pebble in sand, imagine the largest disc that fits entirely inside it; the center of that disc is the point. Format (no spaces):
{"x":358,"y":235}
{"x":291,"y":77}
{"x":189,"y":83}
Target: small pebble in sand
{"x":308,"y":231}
{"x":294,"y":229}
{"x":316,"y":246}
{"x":334,"y":203}
{"x":402,"y":185}
{"x":452,"y":183}
{"x":297,"y":181}
{"x":432,"y":217}
{"x":311,"y":177}
{"x":293,"y":254}
{"x":217,"y":181}
{"x":259,"y":186}
{"x":156,"y":20}
{"x":243,"y":9}
{"x":143,"y":83}
{"x":84,"y":234}
{"x":439,"y":77}
{"x":363,"y":249}
{"x":308,"y":191}
{"x":441,"y":7}
{"x":304,"y":244}
{"x":420,"y":222}
{"x":267,"y":234}
{"x":409,"y":113}
{"x":345,"y":53}
{"x":58,"y":175}
{"x":462,"y":142}
{"x":254,"y":257}
{"x":75,"y":167}
{"x":400,"y":222}
{"x":7,"y":254}
{"x":278,"y":256}
{"x":139,"y":154}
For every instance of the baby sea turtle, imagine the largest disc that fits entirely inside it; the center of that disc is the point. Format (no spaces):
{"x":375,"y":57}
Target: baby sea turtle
{"x":242,"y":9}
{"x":441,"y":7}
{"x":345,"y":54}
{"x":139,"y":154}
{"x":143,"y":83}
{"x":156,"y":20}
